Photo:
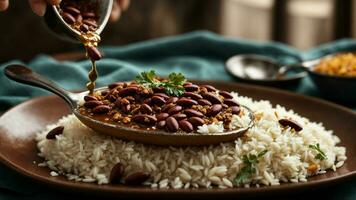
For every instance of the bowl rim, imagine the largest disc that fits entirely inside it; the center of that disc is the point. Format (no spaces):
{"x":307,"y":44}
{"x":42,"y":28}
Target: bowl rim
{"x":312,"y":70}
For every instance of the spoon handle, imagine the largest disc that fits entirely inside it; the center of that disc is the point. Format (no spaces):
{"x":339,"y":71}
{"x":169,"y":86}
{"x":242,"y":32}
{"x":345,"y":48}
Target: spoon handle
{"x":284,"y":69}
{"x":25,"y":75}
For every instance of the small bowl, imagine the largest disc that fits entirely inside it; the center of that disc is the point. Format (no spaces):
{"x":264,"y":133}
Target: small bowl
{"x":56,"y":23}
{"x":336,"y":88}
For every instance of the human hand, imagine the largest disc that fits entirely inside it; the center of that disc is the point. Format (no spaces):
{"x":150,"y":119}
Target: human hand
{"x":117,"y":8}
{"x":39,"y":7}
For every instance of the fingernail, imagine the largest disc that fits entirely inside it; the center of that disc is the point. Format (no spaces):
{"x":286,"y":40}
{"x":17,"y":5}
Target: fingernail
{"x":39,"y":8}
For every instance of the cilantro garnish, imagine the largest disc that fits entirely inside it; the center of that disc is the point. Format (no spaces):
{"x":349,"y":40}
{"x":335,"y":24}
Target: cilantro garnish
{"x":173,"y":85}
{"x":321,"y":155}
{"x":250,"y":162}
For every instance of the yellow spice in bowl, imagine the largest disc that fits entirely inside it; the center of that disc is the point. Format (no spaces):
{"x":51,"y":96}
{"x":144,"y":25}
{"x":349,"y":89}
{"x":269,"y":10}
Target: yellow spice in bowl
{"x":343,"y":64}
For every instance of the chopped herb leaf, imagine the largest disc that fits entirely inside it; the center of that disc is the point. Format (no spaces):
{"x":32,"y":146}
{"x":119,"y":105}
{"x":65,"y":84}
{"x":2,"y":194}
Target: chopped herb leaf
{"x":176,"y":78}
{"x":146,"y":77}
{"x":321,"y":155}
{"x":250,"y":161}
{"x":173,"y":86}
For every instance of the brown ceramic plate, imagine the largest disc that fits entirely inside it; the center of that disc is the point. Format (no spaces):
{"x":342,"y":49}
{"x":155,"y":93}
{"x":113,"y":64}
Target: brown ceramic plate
{"x":18,"y":148}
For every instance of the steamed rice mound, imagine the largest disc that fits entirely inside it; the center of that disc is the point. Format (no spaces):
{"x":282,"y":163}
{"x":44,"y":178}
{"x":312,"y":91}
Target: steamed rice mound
{"x":80,"y":154}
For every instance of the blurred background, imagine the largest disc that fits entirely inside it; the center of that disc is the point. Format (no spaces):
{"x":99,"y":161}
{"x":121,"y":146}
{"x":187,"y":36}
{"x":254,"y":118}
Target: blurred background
{"x":300,"y":23}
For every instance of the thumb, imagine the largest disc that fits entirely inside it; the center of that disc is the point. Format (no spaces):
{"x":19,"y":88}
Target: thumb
{"x":38,"y":6}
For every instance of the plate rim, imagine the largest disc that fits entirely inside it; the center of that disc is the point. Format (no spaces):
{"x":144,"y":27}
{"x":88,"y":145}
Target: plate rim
{"x":93,"y":188}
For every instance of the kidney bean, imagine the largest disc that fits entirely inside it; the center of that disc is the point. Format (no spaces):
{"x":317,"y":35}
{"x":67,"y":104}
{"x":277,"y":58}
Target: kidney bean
{"x":68,"y":18}
{"x":196,"y":121}
{"x":116,"y":173}
{"x":129,"y":91}
{"x":158,"y":100}
{"x":90,"y":23}
{"x":235,"y":110}
{"x":191,"y":88}
{"x":136,"y":178}
{"x":78,"y":19}
{"x":162,"y":116}
{"x":187,"y":83}
{"x":166,"y":107}
{"x":172,"y":100}
{"x":186,"y":126}
{"x":209,"y":88}
{"x":135,"y":110}
{"x":161,"y":95}
{"x":104,"y":93}
{"x":130,"y":98}
{"x":212,"y":98}
{"x":90,"y":98}
{"x":101,"y":109}
{"x":51,"y":135}
{"x":192,"y":95}
{"x":186,"y":102}
{"x":179,"y":116}
{"x":291,"y":123}
{"x":225,"y":94}
{"x":114,"y":85}
{"x":159,"y":89}
{"x":231,"y":102}
{"x":174,"y":110}
{"x":92,"y":104}
{"x":126,"y":108}
{"x":144,"y":119}
{"x":88,"y":15}
{"x":146,"y":109}
{"x":93,"y":53}
{"x":72,"y":10}
{"x":204,"y":102}
{"x":172,"y":124}
{"x":161,"y":124}
{"x":84,"y":28}
{"x":214,"y":110}
{"x":193,"y":113}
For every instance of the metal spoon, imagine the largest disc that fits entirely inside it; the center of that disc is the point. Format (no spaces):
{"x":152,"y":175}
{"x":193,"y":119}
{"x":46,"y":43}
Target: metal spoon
{"x":25,"y":75}
{"x":62,"y":29}
{"x":260,"y":68}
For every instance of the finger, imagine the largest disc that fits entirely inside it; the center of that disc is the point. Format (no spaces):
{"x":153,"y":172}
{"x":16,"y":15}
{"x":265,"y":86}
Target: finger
{"x":4,"y":4}
{"x":53,"y":2}
{"x":38,"y":6}
{"x":124,"y":4}
{"x":115,"y":12}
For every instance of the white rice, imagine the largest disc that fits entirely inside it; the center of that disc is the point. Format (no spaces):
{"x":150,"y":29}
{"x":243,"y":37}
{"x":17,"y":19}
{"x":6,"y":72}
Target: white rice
{"x":83,"y":155}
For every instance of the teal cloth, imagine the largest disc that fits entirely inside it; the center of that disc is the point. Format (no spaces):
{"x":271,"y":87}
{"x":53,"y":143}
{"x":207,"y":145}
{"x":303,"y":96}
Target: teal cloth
{"x":199,"y":55}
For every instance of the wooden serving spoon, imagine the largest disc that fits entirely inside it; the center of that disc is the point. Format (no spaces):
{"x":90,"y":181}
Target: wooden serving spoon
{"x":25,"y":75}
